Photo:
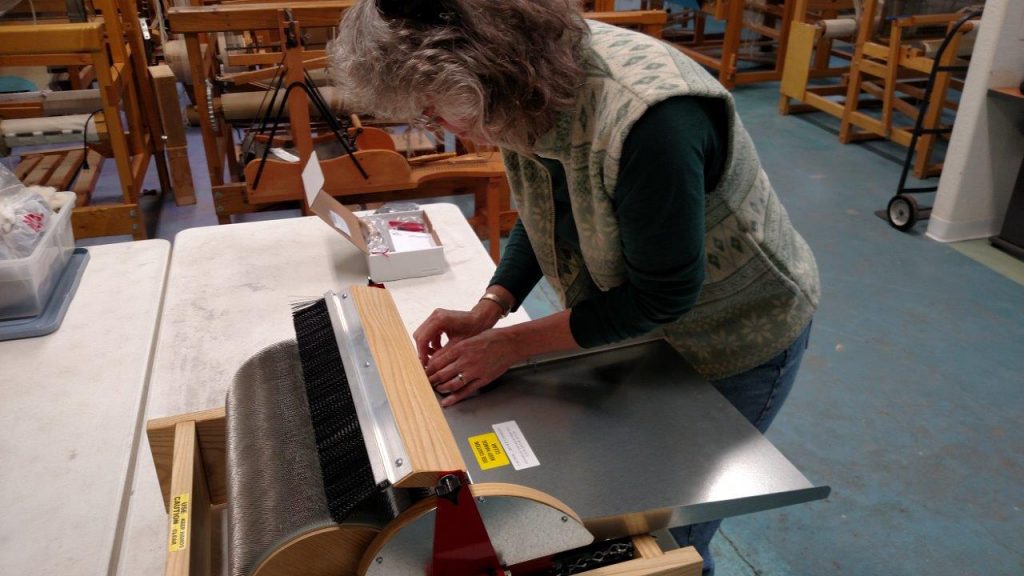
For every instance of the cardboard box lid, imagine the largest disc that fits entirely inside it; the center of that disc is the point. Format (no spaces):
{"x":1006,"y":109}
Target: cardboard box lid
{"x":334,"y":213}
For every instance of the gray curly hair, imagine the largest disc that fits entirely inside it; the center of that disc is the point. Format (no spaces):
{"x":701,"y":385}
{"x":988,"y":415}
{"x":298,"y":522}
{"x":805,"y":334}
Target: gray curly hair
{"x":505,"y":68}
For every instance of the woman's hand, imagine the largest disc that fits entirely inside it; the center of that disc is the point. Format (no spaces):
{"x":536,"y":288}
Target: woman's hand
{"x":461,"y":368}
{"x":476,"y":354}
{"x":454,"y":324}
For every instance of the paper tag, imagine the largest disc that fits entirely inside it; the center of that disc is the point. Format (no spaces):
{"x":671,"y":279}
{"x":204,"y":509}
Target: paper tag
{"x":284,"y":155}
{"x":179,"y":523}
{"x":340,"y":224}
{"x":516,"y":446}
{"x":312,"y":178}
{"x":405,"y":241}
{"x":488,"y":451}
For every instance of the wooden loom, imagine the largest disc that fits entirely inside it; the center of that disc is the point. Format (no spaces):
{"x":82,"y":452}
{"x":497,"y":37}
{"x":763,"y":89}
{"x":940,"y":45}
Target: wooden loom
{"x":885,"y":68}
{"x":811,"y":46}
{"x":393,"y":177}
{"x":723,"y":52}
{"x":110,"y":50}
{"x":79,"y":76}
{"x":168,"y":138}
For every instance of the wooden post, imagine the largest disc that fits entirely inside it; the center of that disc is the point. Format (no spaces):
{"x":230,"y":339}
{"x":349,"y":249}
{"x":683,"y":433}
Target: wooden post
{"x":496,"y":188}
{"x":731,"y":44}
{"x":197,"y":64}
{"x":176,"y":146}
{"x":865,"y":26}
{"x":298,"y":101}
{"x":892,"y":71}
{"x":188,"y":541}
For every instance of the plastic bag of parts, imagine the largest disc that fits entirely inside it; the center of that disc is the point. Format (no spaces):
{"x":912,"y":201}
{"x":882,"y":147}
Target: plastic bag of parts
{"x":24,"y":216}
{"x":392,"y":207}
{"x":378,"y":236}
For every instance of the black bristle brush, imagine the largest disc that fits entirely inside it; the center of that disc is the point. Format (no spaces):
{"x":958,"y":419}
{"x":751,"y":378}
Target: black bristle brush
{"x":348,"y":478}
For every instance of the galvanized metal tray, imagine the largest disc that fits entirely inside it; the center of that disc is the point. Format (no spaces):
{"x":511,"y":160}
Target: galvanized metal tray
{"x":630,"y":438}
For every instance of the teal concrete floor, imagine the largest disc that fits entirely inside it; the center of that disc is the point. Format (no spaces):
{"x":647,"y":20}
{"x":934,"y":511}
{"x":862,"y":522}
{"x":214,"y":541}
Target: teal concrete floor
{"x":911,"y":391}
{"x":909,"y":402}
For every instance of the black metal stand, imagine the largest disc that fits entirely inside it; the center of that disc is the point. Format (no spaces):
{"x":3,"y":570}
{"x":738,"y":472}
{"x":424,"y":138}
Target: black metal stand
{"x":337,"y":127}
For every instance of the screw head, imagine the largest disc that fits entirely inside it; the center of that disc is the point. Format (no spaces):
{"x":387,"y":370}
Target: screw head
{"x":565,"y":518}
{"x":344,"y":296}
{"x":399,"y":462}
{"x":366,"y":364}
{"x":380,"y":559}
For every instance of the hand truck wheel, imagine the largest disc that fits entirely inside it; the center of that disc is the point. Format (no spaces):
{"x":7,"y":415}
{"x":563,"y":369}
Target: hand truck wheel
{"x":902,"y":212}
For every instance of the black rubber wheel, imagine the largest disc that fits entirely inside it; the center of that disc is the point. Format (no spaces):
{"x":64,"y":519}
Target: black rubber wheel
{"x":902,"y":212}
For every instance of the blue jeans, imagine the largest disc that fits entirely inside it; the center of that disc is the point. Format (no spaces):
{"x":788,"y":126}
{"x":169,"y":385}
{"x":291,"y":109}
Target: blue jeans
{"x":758,"y":394}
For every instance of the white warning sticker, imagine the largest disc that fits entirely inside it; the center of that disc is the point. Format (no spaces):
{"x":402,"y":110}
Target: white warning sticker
{"x":515,"y":445}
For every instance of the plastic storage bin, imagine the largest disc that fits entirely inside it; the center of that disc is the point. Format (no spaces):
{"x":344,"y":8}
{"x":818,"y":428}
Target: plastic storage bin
{"x":26,"y":283}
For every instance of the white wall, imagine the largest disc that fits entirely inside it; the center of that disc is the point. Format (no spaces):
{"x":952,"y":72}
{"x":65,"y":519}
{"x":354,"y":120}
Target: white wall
{"x":987,"y":144}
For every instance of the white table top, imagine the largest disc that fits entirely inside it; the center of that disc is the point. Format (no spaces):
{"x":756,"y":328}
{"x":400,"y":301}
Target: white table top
{"x":228,"y":295}
{"x":70,"y":407}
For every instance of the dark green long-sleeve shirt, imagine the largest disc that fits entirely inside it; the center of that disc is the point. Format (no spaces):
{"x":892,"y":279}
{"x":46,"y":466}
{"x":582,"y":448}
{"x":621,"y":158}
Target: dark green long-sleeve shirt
{"x":673,"y":156}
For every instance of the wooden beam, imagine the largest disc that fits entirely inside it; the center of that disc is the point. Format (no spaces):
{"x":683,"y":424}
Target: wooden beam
{"x":107,"y":220}
{"x":926,"y":20}
{"x":647,"y":547}
{"x":51,"y":38}
{"x":189,"y":507}
{"x":269,"y":73}
{"x":268,"y":58}
{"x":802,"y":41}
{"x":65,"y":171}
{"x":231,"y":199}
{"x":210,"y":429}
{"x":26,"y":166}
{"x":244,"y":17}
{"x":85,"y":183}
{"x":176,"y":146}
{"x":41,"y":173}
{"x":629,"y":17}
{"x":61,"y":59}
{"x":15,"y":110}
{"x":429,"y":444}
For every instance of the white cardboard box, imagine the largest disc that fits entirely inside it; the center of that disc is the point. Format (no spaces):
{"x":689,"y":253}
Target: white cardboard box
{"x":384,"y":267}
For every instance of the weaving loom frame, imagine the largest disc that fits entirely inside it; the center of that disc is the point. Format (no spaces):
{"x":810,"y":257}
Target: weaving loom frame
{"x":111,"y":51}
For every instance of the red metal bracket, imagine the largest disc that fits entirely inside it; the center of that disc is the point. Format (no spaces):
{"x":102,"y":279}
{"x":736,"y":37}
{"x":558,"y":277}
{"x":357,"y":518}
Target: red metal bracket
{"x":462,"y":546}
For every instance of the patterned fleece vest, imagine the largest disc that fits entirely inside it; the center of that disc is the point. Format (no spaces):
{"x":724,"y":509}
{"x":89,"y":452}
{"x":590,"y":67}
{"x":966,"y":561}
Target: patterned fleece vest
{"x":761,"y":284}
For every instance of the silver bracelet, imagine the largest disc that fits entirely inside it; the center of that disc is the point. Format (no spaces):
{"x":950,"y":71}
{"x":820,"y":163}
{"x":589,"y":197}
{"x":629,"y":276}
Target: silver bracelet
{"x":505,"y":307}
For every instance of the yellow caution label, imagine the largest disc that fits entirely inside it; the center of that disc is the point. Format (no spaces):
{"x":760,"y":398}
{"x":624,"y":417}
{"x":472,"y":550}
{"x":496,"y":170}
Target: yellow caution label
{"x":489,"y":451}
{"x":179,"y":522}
